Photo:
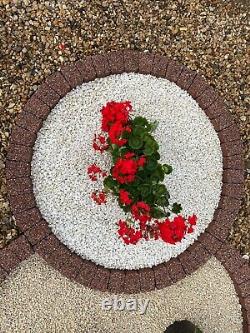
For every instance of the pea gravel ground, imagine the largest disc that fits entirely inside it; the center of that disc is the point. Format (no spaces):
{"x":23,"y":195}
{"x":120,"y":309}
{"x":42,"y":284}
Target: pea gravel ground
{"x":36,"y":296}
{"x":37,"y":37}
{"x":63,"y":189}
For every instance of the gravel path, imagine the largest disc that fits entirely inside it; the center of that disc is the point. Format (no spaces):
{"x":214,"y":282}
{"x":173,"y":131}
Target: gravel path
{"x":38,"y":37}
{"x":36,"y":298}
{"x":63,"y":189}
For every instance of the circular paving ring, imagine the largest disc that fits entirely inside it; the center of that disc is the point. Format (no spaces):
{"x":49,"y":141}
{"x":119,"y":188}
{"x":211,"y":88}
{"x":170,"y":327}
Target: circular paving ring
{"x":37,"y":231}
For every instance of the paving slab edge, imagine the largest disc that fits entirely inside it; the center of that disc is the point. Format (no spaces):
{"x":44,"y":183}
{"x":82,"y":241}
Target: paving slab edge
{"x":36,"y":236}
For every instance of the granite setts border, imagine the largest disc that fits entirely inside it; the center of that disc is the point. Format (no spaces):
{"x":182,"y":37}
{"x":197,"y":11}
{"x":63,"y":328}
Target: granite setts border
{"x":36,"y":235}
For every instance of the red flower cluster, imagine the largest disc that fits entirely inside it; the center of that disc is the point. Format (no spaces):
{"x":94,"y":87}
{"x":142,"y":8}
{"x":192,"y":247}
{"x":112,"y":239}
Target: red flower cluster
{"x":125,"y":169}
{"x":94,"y":171}
{"x":141,"y":212}
{"x":99,"y":197}
{"x":99,"y":143}
{"x":124,"y":197}
{"x":115,"y":117}
{"x":115,"y":112}
{"x":174,"y":231}
{"x":128,"y":234}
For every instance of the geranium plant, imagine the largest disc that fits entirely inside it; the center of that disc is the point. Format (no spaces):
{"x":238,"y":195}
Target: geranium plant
{"x":136,"y":178}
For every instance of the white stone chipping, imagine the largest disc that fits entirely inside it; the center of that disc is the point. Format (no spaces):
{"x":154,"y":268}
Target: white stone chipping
{"x":63,"y":152}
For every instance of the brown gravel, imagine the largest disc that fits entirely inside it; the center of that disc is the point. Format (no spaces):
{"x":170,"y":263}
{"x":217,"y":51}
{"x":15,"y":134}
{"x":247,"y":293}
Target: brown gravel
{"x":209,"y":36}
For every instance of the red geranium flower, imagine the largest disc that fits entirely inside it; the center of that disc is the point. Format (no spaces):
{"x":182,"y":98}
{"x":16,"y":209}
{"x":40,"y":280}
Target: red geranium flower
{"x":99,"y":197}
{"x":192,"y":219}
{"x":115,"y":133}
{"x":100,"y":143}
{"x":140,"y":211}
{"x":172,"y":232}
{"x":141,"y":161}
{"x":115,"y":112}
{"x":124,"y":197}
{"x":124,"y":170}
{"x":128,"y":234}
{"x":94,"y":171}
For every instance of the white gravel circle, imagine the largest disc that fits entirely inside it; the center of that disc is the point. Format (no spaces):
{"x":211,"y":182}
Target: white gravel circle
{"x":63,"y":151}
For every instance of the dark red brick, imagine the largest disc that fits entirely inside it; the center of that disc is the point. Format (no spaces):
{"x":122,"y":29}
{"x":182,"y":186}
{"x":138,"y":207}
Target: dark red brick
{"x":21,"y":136}
{"x":221,"y":232}
{"x":189,"y":262}
{"x":208,"y":97}
{"x":233,"y":176}
{"x":131,"y":61}
{"x":37,"y":232}
{"x":101,"y":279}
{"x":233,"y":162}
{"x":3,"y":274}
{"x":175,"y":270}
{"x":101,"y":65}
{"x":162,"y":277}
{"x":116,"y":62}
{"x":47,"y":246}
{"x":37,"y":108}
{"x":21,"y":248}
{"x":71,"y":265}
{"x":116,"y":281}
{"x":211,"y":243}
{"x":160,"y":65}
{"x":57,"y":82}
{"x":186,"y":78}
{"x":199,"y":252}
{"x":8,"y":260}
{"x":223,"y":121}
{"x":223,"y":217}
{"x":216,"y":108}
{"x":28,"y":218}
{"x":87,"y":273}
{"x":16,"y":186}
{"x":230,"y":133}
{"x":245,"y":288}
{"x":132,"y":282}
{"x":233,"y":190}
{"x":86,"y":69}
{"x":145,"y":62}
{"x":72,"y":75}
{"x":229,"y":204}
{"x":232,"y":148}
{"x":174,"y":70}
{"x":47,"y":95}
{"x":230,"y":257}
{"x":19,"y":153}
{"x":23,"y":202}
{"x":242,"y":274}
{"x":16,"y":169}
{"x":246,"y":303}
{"x":147,"y":279}
{"x":198,"y":85}
{"x":29,"y":121}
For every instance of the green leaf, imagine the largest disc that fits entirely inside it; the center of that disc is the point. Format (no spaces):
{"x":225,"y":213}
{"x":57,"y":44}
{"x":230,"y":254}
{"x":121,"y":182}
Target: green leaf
{"x":140,"y":121}
{"x":162,"y":201}
{"x":156,"y":156}
{"x":139,"y":131}
{"x":148,"y":151}
{"x":109,"y":183}
{"x":167,"y":169}
{"x":176,"y":208}
{"x":153,"y":126}
{"x":157,"y":213}
{"x":151,"y":164}
{"x":160,"y":189}
{"x":135,"y":142}
{"x":145,"y":190}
